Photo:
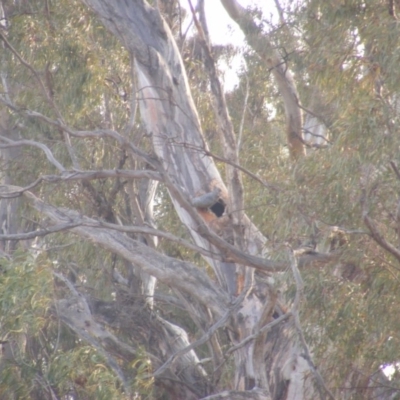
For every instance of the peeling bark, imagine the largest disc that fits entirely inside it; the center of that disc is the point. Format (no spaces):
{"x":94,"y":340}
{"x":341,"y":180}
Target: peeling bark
{"x":216,"y":223}
{"x":169,"y":114}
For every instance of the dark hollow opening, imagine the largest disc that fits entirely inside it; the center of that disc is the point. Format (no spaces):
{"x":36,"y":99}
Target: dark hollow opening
{"x":218,"y":208}
{"x":275,"y":315}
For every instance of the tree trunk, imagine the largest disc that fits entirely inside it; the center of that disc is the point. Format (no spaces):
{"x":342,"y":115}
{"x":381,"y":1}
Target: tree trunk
{"x":168,"y":111}
{"x":268,"y":364}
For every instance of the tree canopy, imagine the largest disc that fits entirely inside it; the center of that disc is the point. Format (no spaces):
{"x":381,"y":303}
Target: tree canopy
{"x":164,"y":238}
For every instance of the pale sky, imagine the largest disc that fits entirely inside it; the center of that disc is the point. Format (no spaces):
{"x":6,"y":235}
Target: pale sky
{"x":223,"y":30}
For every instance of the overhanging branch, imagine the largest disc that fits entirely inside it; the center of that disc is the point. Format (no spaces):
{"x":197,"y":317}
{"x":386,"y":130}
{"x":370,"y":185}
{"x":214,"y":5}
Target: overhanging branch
{"x":172,"y":272}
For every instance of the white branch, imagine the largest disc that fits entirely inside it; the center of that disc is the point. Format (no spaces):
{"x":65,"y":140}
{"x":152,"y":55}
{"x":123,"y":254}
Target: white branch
{"x":183,"y":275}
{"x":46,"y":150}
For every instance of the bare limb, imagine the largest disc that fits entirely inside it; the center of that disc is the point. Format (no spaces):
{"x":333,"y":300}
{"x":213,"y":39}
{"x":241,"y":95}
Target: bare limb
{"x":254,"y":394}
{"x":280,"y":12}
{"x":207,"y":336}
{"x":85,"y":175}
{"x":102,"y":174}
{"x":246,"y":99}
{"x":378,"y":238}
{"x":221,"y":322}
{"x":133,"y":106}
{"x":203,"y":20}
{"x":76,"y":314}
{"x":18,"y":191}
{"x":266,"y":315}
{"x":282,"y":75}
{"x":148,"y":230}
{"x":40,"y":232}
{"x":183,"y":275}
{"x":46,"y":150}
{"x":259,"y":331}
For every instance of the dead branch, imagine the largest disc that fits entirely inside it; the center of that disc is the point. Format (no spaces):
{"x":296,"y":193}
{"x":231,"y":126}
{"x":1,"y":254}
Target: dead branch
{"x":102,"y":174}
{"x":44,"y":148}
{"x":378,"y":238}
{"x":75,"y":312}
{"x":255,"y":394}
{"x":183,"y":275}
{"x":259,"y":331}
{"x":40,"y":232}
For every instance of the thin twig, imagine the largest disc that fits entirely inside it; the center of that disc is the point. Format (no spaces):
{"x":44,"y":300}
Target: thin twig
{"x":34,"y":72}
{"x":211,"y":331}
{"x":133,"y":106}
{"x":48,"y":97}
{"x":246,"y":99}
{"x":229,"y":162}
{"x":378,"y":238}
{"x":395,"y":169}
{"x":254,"y":336}
{"x":260,"y":331}
{"x":97,"y":134}
{"x":39,"y":233}
{"x":373,"y":229}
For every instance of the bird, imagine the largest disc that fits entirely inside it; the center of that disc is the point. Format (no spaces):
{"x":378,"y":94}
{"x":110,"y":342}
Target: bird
{"x":207,"y":200}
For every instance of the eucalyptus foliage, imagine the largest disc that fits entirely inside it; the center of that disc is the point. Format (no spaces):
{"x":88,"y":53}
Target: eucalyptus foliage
{"x":57,"y":59}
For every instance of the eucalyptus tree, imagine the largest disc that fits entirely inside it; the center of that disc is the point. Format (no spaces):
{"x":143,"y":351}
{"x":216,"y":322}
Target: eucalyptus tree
{"x":132,"y":267}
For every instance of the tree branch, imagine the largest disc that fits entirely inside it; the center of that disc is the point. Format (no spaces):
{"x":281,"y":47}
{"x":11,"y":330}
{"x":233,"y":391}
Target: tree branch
{"x":282,"y":75}
{"x":234,"y":179}
{"x":76,"y":314}
{"x":40,"y":232}
{"x":183,"y":275}
{"x":102,"y":174}
{"x":44,"y":148}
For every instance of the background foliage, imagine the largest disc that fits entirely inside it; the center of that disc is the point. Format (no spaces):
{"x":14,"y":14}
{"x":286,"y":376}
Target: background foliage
{"x":345,"y":57}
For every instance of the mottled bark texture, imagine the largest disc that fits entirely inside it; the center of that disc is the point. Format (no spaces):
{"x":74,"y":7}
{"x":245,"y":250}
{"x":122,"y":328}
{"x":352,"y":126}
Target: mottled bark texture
{"x":170,"y":117}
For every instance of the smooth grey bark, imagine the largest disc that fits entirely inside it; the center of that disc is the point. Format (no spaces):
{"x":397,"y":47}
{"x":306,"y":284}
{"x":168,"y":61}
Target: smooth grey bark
{"x":141,"y":207}
{"x":169,"y":114}
{"x":147,"y":191}
{"x":167,"y":109}
{"x":183,"y":275}
{"x":184,"y":164}
{"x":155,"y":334}
{"x":160,"y":337}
